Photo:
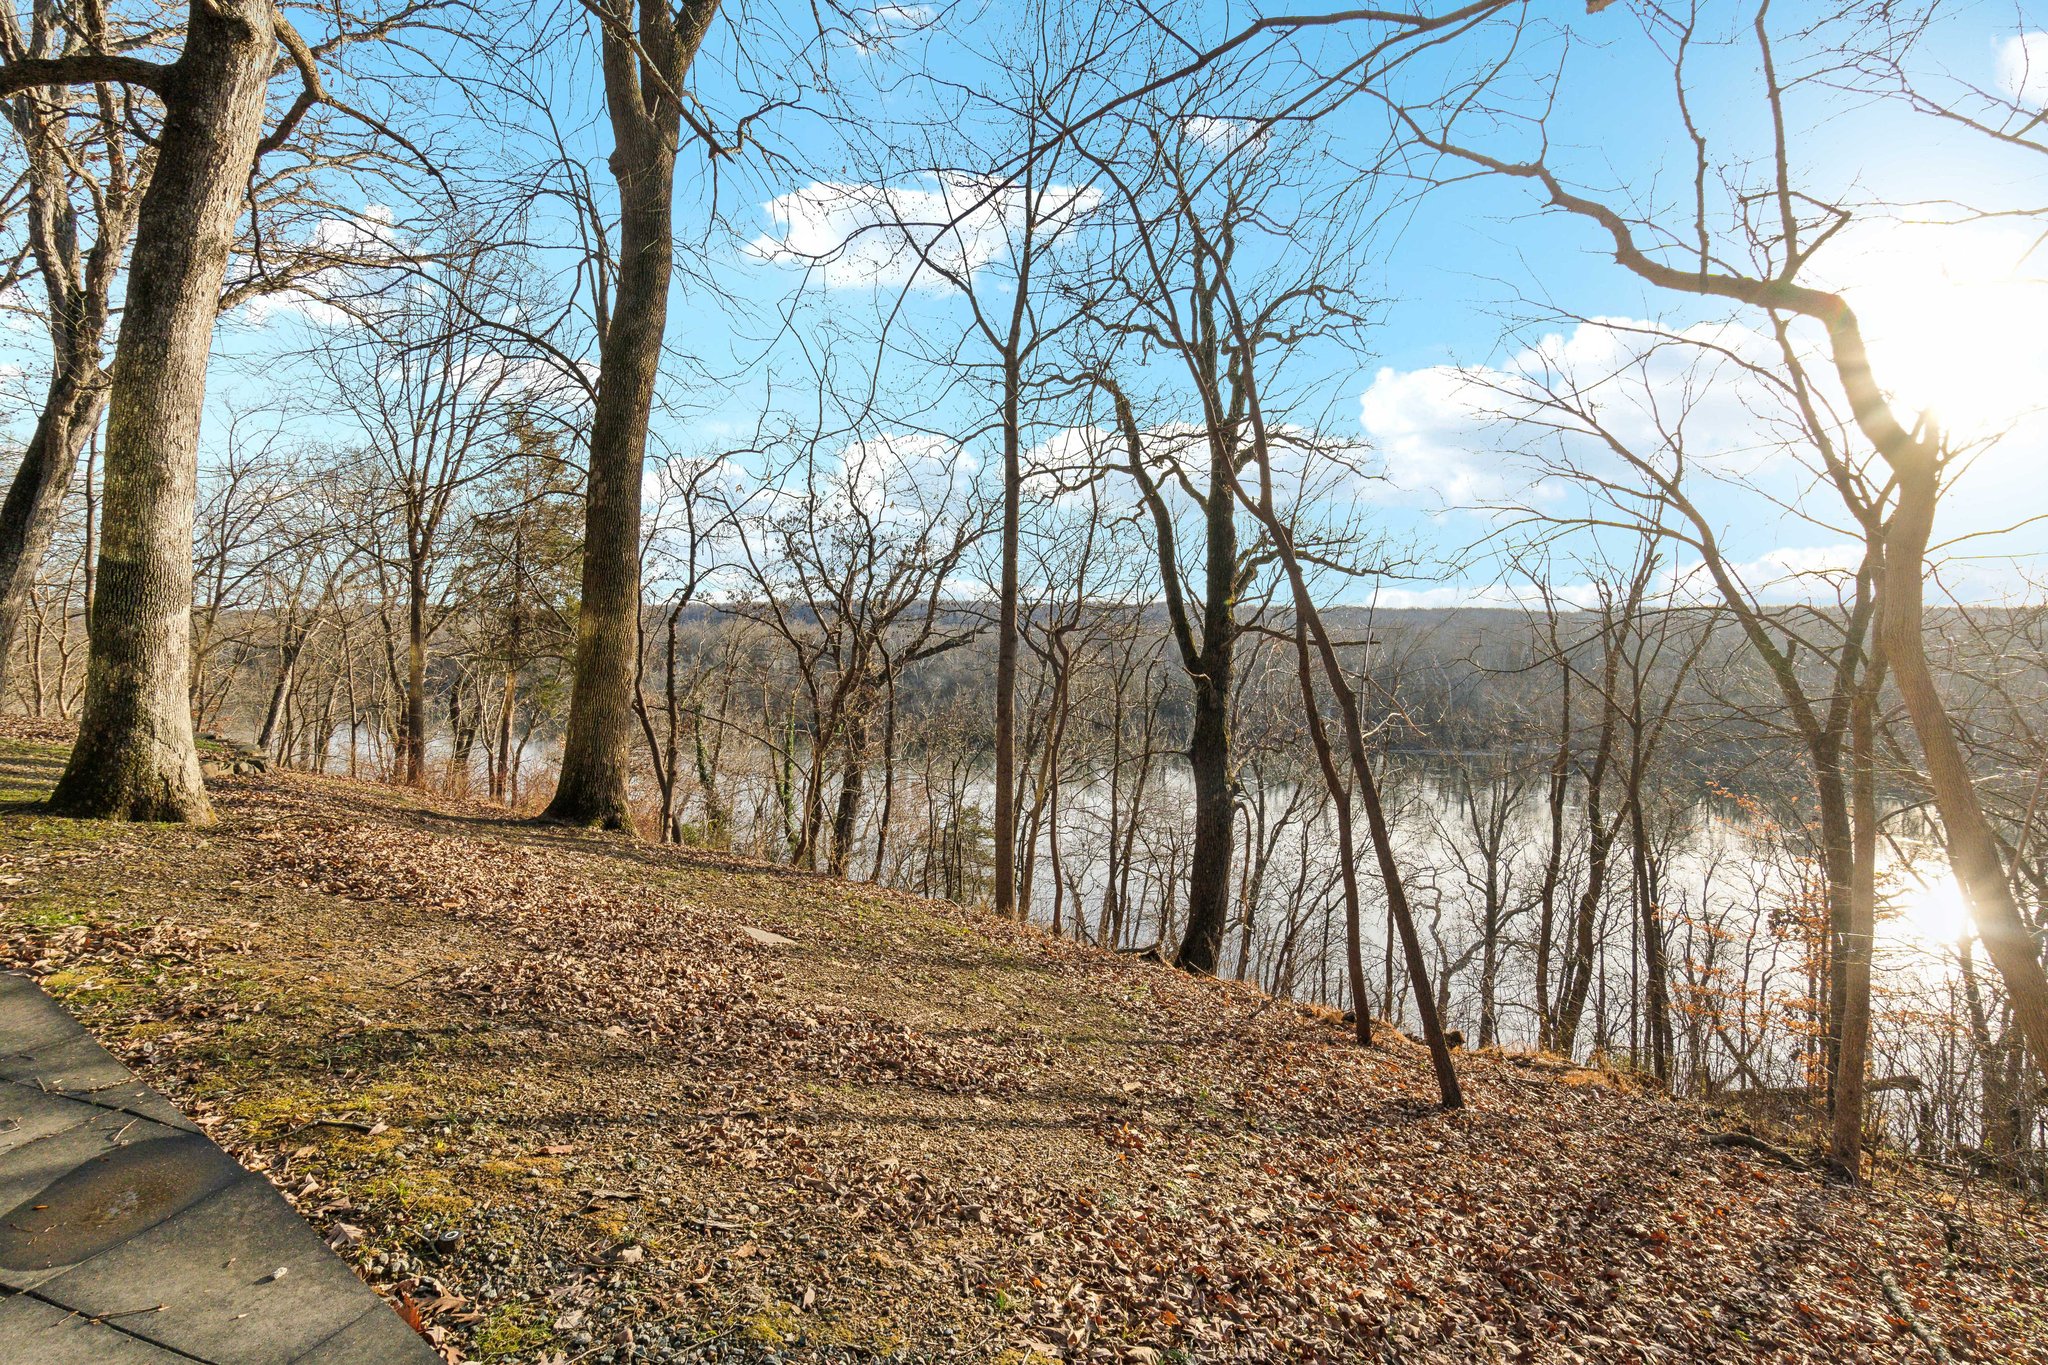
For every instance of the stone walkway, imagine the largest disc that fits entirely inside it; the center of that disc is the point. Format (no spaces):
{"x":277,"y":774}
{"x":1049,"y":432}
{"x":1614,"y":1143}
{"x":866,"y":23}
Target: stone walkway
{"x":128,"y":1238}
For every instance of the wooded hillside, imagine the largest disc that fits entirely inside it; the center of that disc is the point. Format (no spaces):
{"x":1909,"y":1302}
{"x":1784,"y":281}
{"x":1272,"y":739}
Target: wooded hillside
{"x":568,"y":1097}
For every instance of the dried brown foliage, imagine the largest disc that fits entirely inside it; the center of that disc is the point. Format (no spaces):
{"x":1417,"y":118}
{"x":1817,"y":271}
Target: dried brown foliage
{"x":576,"y":1099}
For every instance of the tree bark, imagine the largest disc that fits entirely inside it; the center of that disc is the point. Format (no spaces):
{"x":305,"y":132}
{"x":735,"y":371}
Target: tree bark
{"x":852,"y":787}
{"x":135,"y":758}
{"x":1209,"y":742}
{"x":642,"y":82}
{"x":1201,"y":944}
{"x":77,"y":286}
{"x":1006,"y":647}
{"x":1855,"y":945}
{"x":1972,"y":846}
{"x":28,"y":516}
{"x":415,"y":735}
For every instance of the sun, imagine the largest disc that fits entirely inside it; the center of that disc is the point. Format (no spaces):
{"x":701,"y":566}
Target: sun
{"x":1932,"y":910}
{"x":1954,"y":332}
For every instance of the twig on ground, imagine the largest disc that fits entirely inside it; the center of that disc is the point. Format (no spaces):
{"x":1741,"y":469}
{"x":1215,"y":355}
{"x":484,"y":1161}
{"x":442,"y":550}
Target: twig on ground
{"x":353,"y":1125}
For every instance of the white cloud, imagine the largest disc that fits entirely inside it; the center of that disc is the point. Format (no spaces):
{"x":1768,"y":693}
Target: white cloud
{"x":854,"y":234}
{"x":1460,"y":437}
{"x":1223,"y":134}
{"x":908,"y":482}
{"x":2023,"y":69}
{"x":359,"y":244}
{"x":881,"y":26}
{"x":1431,"y":437}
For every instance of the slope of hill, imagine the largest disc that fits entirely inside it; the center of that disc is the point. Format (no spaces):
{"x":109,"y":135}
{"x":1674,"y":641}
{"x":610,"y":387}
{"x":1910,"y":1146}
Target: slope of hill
{"x":565,"y":1097}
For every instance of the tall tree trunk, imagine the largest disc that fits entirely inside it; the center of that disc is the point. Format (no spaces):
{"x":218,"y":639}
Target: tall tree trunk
{"x":415,"y":746}
{"x":1855,"y":945}
{"x":1201,"y":944}
{"x":1972,"y":846}
{"x":135,"y":758}
{"x":852,"y":787}
{"x":1650,"y":930}
{"x":29,"y":514}
{"x":501,"y":789}
{"x":1553,"y":862}
{"x":1007,"y":628}
{"x":1209,"y":743}
{"x":642,"y":76}
{"x":1973,"y":850}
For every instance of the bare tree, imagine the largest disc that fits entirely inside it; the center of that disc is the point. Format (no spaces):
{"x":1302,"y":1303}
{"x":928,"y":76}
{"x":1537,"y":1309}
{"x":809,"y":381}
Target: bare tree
{"x":646,"y":54}
{"x":135,"y":758}
{"x":1831,"y":712}
{"x":436,"y":389}
{"x":1769,"y":269}
{"x":847,"y":564}
{"x":76,"y":146}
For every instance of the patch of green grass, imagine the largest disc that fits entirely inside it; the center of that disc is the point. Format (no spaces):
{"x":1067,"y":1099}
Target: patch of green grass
{"x":49,"y":912}
{"x":419,"y":1191}
{"x":285,"y":1104}
{"x":509,"y":1331}
{"x":98,"y":988}
{"x":34,"y":827}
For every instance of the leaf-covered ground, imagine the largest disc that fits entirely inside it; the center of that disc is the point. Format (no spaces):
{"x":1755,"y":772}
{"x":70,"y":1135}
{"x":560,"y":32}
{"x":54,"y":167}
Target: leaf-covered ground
{"x":551,"y":1093}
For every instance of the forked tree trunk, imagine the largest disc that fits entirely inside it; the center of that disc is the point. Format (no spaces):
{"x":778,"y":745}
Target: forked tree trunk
{"x":1347,"y":862}
{"x":135,"y":758}
{"x":1972,"y":846}
{"x":77,"y":285}
{"x":642,"y":77}
{"x":281,"y":688}
{"x":29,"y":514}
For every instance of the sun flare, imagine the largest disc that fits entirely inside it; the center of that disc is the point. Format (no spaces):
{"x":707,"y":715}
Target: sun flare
{"x":1957,"y":336}
{"x":1932,"y":910}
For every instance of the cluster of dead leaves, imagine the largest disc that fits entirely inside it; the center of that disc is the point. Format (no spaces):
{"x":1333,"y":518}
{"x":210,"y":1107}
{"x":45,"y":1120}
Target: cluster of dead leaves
{"x":43,"y":949}
{"x":641,"y":968}
{"x":985,"y":1141}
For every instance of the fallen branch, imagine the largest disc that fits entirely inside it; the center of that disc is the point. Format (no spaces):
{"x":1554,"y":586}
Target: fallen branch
{"x":1897,"y":1299}
{"x":1750,"y":1142}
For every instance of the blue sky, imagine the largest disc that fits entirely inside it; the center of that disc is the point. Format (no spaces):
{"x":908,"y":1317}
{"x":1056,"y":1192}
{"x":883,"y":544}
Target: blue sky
{"x":1476,"y":283}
